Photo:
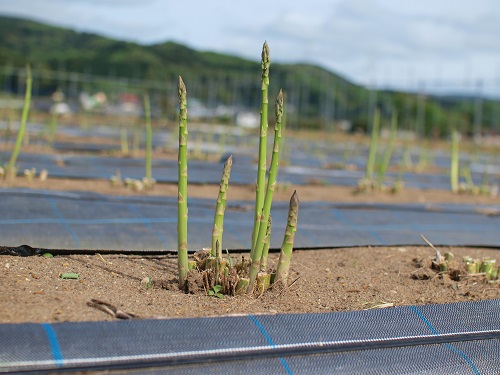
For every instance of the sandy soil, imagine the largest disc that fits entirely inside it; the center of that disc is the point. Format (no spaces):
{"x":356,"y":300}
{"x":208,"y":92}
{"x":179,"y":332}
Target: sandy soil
{"x":324,"y":280}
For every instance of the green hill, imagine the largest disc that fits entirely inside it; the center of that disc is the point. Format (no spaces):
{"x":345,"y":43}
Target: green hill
{"x":316,"y":97}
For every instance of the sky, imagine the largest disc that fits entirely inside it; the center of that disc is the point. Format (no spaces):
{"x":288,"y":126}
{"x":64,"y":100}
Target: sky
{"x":425,"y":45}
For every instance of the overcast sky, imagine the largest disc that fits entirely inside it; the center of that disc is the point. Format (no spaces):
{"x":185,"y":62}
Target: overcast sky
{"x":405,"y":44}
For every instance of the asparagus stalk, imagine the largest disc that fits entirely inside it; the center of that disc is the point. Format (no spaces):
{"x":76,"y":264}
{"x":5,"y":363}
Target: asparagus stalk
{"x":271,"y":183}
{"x":267,"y":242}
{"x":182,"y":211}
{"x":388,"y":151}
{"x":218,"y":228}
{"x":370,"y":164}
{"x":124,"y":141}
{"x":149,"y":142}
{"x":287,"y":246}
{"x":261,"y":167}
{"x":11,"y":171}
{"x":454,"y":161}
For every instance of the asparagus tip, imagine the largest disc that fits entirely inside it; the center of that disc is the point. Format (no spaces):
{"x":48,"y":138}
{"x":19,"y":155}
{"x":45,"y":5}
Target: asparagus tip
{"x":279,"y":106}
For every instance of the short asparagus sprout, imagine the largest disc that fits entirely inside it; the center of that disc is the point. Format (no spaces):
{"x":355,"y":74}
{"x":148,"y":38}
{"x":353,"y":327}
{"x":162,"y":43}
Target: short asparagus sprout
{"x":43,"y":175}
{"x":11,"y":168}
{"x":261,"y":166}
{"x":287,"y":246}
{"x":116,"y":179}
{"x":486,"y":267}
{"x":256,"y":253}
{"x":182,"y":211}
{"x":220,"y":208}
{"x":30,"y":174}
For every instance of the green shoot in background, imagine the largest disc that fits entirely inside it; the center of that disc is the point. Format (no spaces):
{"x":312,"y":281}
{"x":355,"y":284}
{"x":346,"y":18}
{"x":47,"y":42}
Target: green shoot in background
{"x":370,"y":164}
{"x":182,"y":211}
{"x":11,"y":168}
{"x":149,"y":142}
{"x":455,"y":136}
{"x":388,"y":151}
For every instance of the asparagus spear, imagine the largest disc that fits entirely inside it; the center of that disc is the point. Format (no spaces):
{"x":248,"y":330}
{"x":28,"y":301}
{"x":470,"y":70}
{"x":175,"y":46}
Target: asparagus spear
{"x":220,"y":208}
{"x":370,"y":164}
{"x":11,"y":168}
{"x":287,"y":246}
{"x":454,"y":161}
{"x":267,"y":242}
{"x":147,"y":114}
{"x":182,"y":211}
{"x":261,"y":167}
{"x":264,"y":218}
{"x":388,"y":151}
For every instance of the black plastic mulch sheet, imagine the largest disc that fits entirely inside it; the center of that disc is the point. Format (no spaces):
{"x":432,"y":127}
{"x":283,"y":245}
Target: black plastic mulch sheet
{"x":72,"y":220}
{"x":459,"y":338}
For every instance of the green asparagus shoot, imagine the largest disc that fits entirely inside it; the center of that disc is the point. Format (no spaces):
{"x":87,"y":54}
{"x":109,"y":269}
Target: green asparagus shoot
{"x":182,"y":212}
{"x":11,"y":168}
{"x":256,"y":253}
{"x":149,"y":143}
{"x":287,"y":246}
{"x":218,"y":227}
{"x":455,"y":136}
{"x":261,"y":166}
{"x":370,"y":164}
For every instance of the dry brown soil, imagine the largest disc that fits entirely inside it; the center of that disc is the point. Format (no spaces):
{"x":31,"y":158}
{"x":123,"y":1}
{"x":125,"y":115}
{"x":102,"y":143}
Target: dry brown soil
{"x":324,"y":280}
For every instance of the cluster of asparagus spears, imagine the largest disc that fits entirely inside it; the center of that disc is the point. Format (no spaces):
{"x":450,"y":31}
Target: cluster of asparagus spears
{"x":245,"y":276}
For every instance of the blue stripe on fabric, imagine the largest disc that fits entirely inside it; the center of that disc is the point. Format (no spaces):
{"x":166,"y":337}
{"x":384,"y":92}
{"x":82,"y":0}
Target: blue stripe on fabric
{"x":340,"y":216}
{"x":451,"y":347}
{"x":270,"y":342}
{"x":54,"y":344}
{"x":64,"y":223}
{"x":147,"y":224}
{"x":371,"y":229}
{"x":377,"y":236}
